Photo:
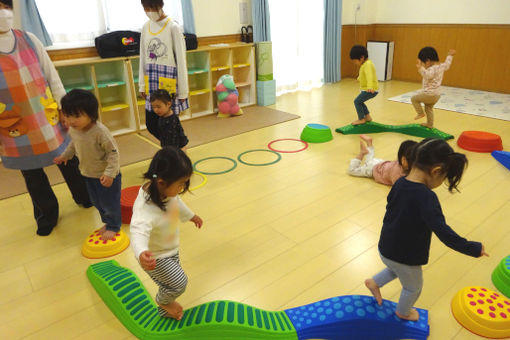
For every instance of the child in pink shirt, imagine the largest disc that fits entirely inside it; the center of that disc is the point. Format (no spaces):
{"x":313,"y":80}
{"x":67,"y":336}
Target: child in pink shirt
{"x":432,"y":72}
{"x":384,"y":172}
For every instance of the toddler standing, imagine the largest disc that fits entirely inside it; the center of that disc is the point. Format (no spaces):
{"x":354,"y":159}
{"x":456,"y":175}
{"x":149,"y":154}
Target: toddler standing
{"x":413,"y":213}
{"x":97,"y":151}
{"x":169,"y":129}
{"x":154,"y":226}
{"x":367,"y":82}
{"x":432,"y":73}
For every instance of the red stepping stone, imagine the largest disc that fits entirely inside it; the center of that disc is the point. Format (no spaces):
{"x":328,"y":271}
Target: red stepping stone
{"x":480,"y":141}
{"x":127,"y":199}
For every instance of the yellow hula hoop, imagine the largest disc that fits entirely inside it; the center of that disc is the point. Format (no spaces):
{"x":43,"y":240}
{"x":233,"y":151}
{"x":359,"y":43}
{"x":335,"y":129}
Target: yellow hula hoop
{"x":204,"y":180}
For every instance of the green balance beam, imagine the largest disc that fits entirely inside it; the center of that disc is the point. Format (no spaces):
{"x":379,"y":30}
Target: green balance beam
{"x":410,"y":129}
{"x":123,"y":292}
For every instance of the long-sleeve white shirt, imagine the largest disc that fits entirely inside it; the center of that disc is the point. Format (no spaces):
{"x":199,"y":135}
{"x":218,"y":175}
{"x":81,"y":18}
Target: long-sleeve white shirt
{"x":154,"y":229}
{"x":7,"y":42}
{"x":167,"y":38}
{"x":433,"y":76}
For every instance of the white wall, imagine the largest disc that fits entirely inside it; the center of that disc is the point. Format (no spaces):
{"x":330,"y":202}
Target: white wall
{"x":218,"y":17}
{"x":426,"y":12}
{"x":364,"y":16}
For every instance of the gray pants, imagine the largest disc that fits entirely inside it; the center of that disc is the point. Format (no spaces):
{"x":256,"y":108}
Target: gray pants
{"x":411,"y":278}
{"x":428,"y":100}
{"x":170,"y":278}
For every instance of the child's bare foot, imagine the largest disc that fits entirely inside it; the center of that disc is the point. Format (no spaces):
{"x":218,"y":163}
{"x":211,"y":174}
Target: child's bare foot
{"x":413,"y":315}
{"x":368,"y":118}
{"x":174,"y":310}
{"x":362,"y":148}
{"x":359,"y":122}
{"x":374,"y":289}
{"x":427,"y":125}
{"x":419,"y":116}
{"x":367,"y":139}
{"x":107,"y":235}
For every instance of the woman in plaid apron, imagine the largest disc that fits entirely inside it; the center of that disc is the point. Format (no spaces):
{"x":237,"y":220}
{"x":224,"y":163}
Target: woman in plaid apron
{"x":31,"y":134}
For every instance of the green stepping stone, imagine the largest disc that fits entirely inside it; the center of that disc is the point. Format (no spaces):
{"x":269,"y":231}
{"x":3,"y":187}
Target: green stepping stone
{"x":410,"y":129}
{"x":123,"y":292}
{"x":501,"y":276}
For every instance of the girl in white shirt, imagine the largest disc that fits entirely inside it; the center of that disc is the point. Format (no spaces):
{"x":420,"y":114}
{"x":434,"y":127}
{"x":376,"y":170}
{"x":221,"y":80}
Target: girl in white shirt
{"x":162,"y":61}
{"x":154,"y":226}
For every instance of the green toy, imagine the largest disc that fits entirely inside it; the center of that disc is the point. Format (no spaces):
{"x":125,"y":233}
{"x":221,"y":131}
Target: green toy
{"x":316,"y":133}
{"x":123,"y":292}
{"x":501,"y":276}
{"x":409,"y":129}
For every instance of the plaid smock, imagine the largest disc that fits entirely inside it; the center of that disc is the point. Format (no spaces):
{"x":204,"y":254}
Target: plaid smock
{"x":28,"y":138}
{"x":154,"y":72}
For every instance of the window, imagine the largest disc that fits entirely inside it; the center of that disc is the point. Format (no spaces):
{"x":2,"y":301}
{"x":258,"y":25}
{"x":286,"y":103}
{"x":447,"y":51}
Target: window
{"x":78,"y":22}
{"x":297,"y":33}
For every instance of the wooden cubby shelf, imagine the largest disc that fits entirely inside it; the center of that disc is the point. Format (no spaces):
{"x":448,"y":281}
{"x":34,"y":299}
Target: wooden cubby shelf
{"x":114,"y":81}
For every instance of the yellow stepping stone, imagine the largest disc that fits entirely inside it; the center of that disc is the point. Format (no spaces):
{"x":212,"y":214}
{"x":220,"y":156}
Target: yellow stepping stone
{"x":482,"y":311}
{"x":94,"y":247}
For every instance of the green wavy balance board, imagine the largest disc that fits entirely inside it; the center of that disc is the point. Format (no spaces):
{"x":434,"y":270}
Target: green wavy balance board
{"x":410,"y":129}
{"x":501,"y":276}
{"x":348,"y":317}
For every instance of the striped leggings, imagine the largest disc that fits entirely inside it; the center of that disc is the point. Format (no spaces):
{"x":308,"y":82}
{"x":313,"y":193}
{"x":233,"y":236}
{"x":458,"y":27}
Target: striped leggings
{"x":170,"y":278}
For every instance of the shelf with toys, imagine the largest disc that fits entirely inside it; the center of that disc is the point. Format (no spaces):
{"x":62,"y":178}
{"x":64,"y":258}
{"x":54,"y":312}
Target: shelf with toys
{"x":114,"y":81}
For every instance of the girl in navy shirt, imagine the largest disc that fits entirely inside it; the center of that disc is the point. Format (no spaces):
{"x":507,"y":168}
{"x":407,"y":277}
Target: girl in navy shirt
{"x":413,"y":213}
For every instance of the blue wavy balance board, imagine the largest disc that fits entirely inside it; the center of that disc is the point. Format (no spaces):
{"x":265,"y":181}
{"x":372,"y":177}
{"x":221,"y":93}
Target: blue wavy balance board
{"x":503,"y":157}
{"x":410,"y":129}
{"x":340,"y":318}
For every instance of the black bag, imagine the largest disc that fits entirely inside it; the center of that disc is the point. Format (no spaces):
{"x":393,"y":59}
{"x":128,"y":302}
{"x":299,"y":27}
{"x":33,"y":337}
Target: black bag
{"x":191,"y":41}
{"x":247,"y":34}
{"x":118,"y":44}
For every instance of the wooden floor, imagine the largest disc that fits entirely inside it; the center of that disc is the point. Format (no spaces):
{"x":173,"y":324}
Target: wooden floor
{"x":274,"y":237}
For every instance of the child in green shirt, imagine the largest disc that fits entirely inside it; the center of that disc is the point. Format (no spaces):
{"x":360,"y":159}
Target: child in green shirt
{"x":367,"y":82}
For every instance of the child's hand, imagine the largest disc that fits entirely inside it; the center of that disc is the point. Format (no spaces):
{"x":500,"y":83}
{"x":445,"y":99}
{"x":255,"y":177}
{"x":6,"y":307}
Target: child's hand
{"x":483,"y":253}
{"x":452,"y":52}
{"x":60,"y":160}
{"x":106,"y":181}
{"x":147,"y":261}
{"x":197,"y":220}
{"x":370,"y":90}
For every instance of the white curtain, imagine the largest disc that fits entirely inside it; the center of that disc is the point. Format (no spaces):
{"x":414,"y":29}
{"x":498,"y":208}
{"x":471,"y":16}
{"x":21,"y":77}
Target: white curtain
{"x":297,"y":33}
{"x":80,"y":21}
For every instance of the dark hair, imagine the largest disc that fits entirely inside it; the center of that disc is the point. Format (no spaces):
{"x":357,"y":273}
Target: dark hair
{"x":432,"y":152}
{"x":153,"y":4}
{"x":403,"y":152}
{"x":358,"y":51}
{"x":169,"y":164}
{"x":162,"y":95}
{"x":79,"y":101}
{"x":7,"y":3}
{"x":428,"y":53}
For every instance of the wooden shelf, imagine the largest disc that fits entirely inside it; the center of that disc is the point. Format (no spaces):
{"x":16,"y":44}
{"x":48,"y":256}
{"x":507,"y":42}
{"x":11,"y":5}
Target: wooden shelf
{"x":114,"y":81}
{"x":112,"y":106}
{"x":220,"y":68}
{"x":69,"y":87}
{"x":243,"y":84}
{"x":110,"y":83}
{"x":197,"y":70}
{"x":198,"y":92}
